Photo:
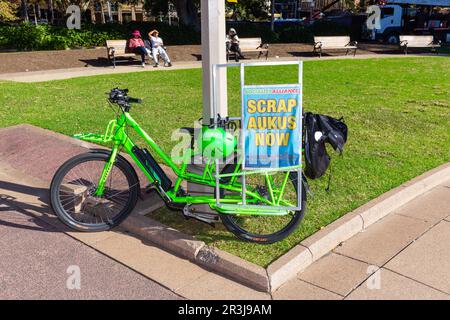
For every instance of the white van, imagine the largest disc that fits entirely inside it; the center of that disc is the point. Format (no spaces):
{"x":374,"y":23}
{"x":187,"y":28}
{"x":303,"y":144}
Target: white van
{"x":398,"y":17}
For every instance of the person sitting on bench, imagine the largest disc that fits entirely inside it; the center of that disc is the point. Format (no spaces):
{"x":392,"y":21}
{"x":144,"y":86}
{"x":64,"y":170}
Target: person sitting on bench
{"x":137,"y":46}
{"x":158,"y":49}
{"x":233,"y":44}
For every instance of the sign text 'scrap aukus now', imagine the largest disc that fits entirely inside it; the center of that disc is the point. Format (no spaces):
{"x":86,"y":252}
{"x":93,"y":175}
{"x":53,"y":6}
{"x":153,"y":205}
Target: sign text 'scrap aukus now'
{"x":272,"y":126}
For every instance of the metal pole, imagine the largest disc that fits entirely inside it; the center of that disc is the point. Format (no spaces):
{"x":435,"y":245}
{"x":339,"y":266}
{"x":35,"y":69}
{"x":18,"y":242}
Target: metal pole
{"x":299,"y":172}
{"x":244,"y":181}
{"x":213,"y":52}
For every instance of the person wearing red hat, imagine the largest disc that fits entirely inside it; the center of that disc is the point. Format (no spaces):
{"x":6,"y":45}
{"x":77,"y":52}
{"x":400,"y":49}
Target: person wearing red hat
{"x":137,"y":46}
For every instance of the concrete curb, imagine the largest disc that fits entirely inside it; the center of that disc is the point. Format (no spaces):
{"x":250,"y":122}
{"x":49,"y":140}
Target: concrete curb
{"x":167,"y":238}
{"x":287,"y":265}
{"x":197,"y":251}
{"x":350,"y":224}
{"x":233,"y":267}
{"x":298,"y":258}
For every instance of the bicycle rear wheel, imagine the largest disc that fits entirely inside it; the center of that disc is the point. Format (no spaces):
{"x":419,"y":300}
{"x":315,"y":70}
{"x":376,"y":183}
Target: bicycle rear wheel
{"x":72,"y":192}
{"x":268,"y":229}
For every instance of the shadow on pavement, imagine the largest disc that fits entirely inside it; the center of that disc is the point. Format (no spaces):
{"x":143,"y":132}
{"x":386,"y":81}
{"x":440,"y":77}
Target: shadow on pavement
{"x":42,"y":217}
{"x":99,"y":62}
{"x":102,"y":62}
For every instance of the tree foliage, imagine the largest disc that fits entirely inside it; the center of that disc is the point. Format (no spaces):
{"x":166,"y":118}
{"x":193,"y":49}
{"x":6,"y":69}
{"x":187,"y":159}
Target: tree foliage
{"x":249,"y":9}
{"x":8,"y":10}
{"x":187,"y":10}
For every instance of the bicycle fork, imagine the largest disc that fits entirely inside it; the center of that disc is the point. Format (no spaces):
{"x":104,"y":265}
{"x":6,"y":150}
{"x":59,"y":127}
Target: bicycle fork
{"x":106,"y":171}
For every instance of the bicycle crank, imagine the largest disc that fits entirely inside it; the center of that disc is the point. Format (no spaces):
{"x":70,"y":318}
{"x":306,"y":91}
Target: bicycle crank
{"x":202,"y":213}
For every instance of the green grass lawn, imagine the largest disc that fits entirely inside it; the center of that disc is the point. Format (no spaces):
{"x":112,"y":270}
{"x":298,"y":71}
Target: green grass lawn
{"x":397,"y":110}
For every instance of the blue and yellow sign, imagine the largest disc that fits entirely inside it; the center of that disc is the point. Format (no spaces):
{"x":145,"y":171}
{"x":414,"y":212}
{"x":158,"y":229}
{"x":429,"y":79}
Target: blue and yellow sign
{"x":271,"y":126}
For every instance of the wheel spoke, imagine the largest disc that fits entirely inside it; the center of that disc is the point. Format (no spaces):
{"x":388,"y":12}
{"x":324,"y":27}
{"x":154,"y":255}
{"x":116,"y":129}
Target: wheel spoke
{"x":278,"y":188}
{"x":77,"y":188}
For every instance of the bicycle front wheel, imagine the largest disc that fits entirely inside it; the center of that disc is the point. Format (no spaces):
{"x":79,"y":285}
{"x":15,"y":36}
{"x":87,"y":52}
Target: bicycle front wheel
{"x":72,"y":192}
{"x":267,"y":229}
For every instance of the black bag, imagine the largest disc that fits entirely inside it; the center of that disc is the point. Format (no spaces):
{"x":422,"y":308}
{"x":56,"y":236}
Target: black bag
{"x":317,"y":159}
{"x":334,"y":130}
{"x":319,"y":130}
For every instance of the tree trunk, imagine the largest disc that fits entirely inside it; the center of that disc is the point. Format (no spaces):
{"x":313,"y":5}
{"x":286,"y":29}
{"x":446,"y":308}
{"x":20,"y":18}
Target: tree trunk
{"x":38,"y":11}
{"x":108,"y":7}
{"x":272,"y":15}
{"x":133,"y":12}
{"x":35,"y":15}
{"x":187,"y":12}
{"x":24,"y":10}
{"x":52,"y":11}
{"x":92,"y":9}
{"x":103,"y":12}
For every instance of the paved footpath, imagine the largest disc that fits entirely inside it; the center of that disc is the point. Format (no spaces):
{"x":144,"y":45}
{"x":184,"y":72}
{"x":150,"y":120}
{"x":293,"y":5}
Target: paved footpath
{"x":405,"y":255}
{"x":68,"y":73}
{"x":37,"y":251}
{"x":38,"y":261}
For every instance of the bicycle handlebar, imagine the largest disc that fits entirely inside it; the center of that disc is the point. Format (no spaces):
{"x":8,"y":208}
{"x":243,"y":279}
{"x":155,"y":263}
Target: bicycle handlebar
{"x":134,"y":100}
{"x":120,"y":96}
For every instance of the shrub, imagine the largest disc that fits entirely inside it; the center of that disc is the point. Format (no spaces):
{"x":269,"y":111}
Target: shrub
{"x":296,"y":34}
{"x":255,"y":29}
{"x":289,"y":32}
{"x":329,"y":28}
{"x":27,"y":36}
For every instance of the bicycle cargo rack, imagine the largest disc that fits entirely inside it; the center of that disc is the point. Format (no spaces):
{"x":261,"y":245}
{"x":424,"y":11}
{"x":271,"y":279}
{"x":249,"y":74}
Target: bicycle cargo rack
{"x":244,"y":208}
{"x":105,"y":138}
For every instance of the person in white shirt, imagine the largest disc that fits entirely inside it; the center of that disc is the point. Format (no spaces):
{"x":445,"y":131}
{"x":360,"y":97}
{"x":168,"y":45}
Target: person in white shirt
{"x":233,"y":44}
{"x":158,"y":49}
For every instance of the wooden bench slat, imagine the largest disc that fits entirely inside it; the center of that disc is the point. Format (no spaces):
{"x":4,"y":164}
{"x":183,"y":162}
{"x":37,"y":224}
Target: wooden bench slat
{"x":253,"y":45}
{"x":333,"y":43}
{"x":417,"y":41}
{"x":120,"y":49}
{"x":120,"y":46}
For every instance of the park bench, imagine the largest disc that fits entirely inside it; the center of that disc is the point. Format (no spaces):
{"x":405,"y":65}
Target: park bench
{"x":251,"y":45}
{"x":334,"y":43}
{"x":426,"y":41}
{"x":118,"y":48}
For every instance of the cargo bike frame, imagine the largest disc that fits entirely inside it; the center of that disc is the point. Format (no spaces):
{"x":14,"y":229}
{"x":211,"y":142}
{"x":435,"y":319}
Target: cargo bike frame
{"x":232,"y":198}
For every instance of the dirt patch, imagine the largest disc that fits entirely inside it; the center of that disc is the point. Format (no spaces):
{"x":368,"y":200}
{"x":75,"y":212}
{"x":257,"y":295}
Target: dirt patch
{"x":49,"y":60}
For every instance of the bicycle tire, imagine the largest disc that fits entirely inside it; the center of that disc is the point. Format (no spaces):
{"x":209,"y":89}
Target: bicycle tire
{"x":66,"y":218}
{"x":242,"y":234}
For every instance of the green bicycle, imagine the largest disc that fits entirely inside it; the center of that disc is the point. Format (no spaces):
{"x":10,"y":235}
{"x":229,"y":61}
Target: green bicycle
{"x":97,"y":190}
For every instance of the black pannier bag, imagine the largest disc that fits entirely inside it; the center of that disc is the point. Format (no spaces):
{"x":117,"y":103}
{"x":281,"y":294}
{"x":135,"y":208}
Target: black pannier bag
{"x":318,"y":130}
{"x":334,"y":130}
{"x":317,"y":159}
